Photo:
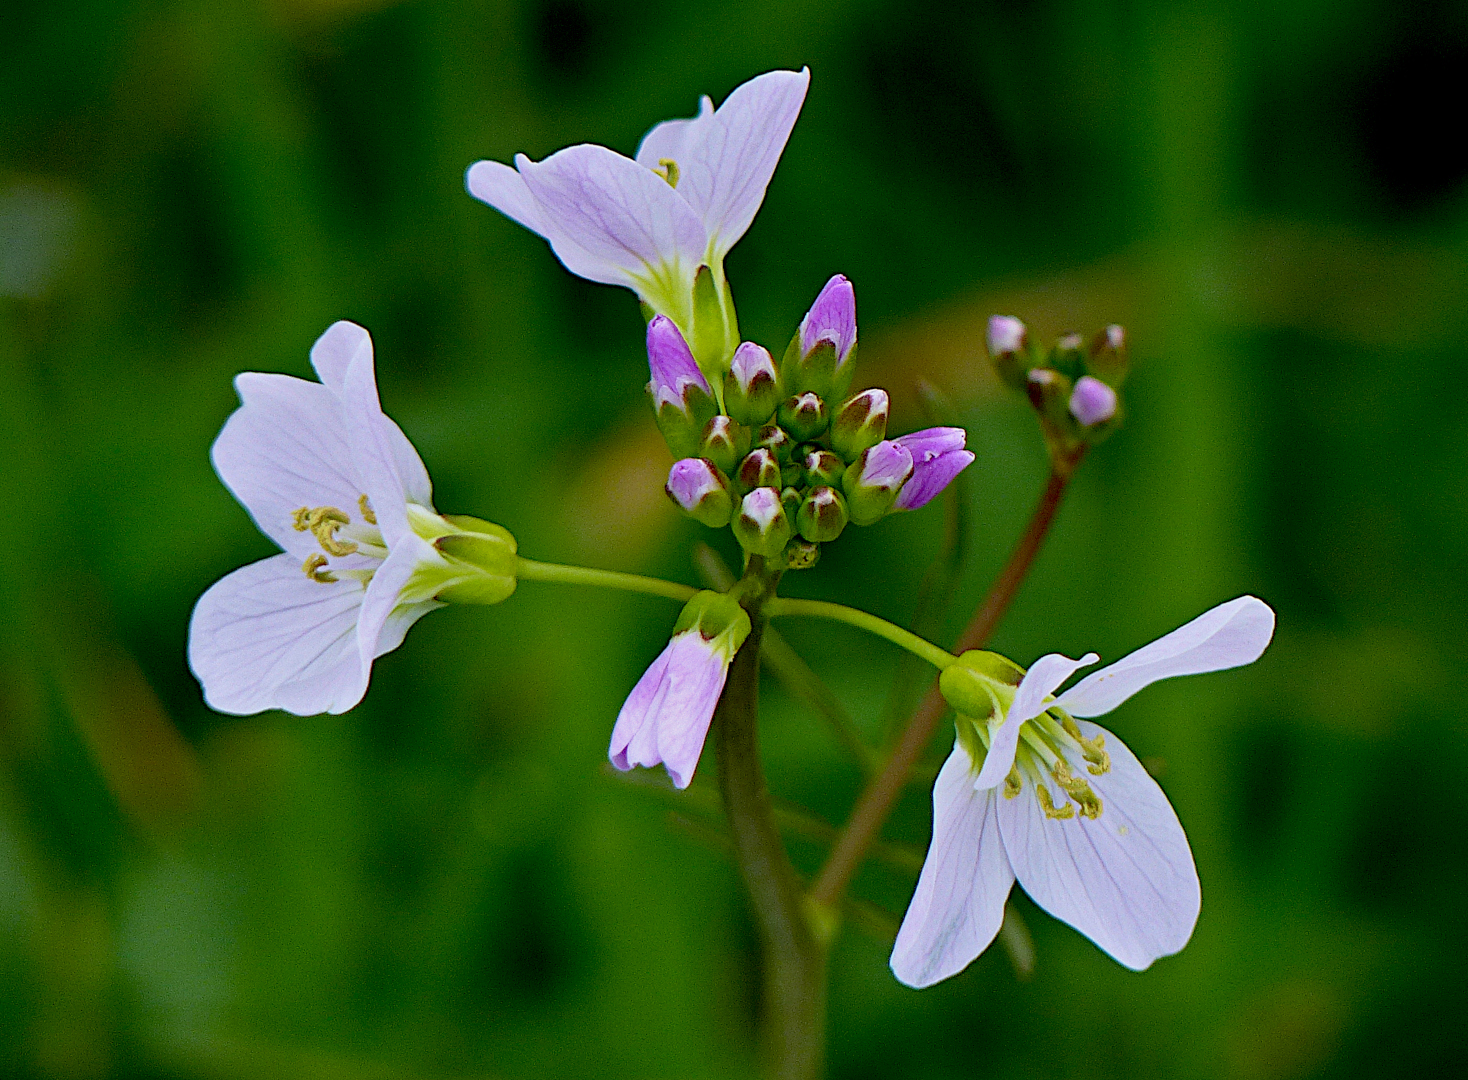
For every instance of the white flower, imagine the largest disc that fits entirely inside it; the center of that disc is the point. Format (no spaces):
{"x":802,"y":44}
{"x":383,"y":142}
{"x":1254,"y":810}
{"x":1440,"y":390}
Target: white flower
{"x":338,"y":486}
{"x":650,"y":223}
{"x":1062,"y":805}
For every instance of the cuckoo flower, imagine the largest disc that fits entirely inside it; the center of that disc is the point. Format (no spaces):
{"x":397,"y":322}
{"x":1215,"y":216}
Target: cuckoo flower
{"x":937,"y":457}
{"x":328,"y":477}
{"x":666,"y":717}
{"x":1032,"y":793}
{"x":650,"y":223}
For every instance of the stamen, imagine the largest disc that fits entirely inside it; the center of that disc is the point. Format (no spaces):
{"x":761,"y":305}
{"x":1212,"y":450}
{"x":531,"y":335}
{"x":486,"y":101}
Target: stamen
{"x":300,"y":519}
{"x":1078,"y":790}
{"x":1059,"y":813}
{"x":366,"y":507}
{"x":1093,"y":750}
{"x":313,"y":568}
{"x":324,"y":522}
{"x":668,"y":170}
{"x":1012,"y":783}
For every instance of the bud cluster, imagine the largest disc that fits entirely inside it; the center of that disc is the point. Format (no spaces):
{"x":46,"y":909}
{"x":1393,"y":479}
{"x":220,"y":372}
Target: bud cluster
{"x":785,"y":456}
{"x":1073,"y":386}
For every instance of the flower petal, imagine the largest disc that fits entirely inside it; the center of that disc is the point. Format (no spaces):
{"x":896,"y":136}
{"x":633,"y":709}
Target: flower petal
{"x":1125,"y":879}
{"x":1040,"y":682}
{"x":269,"y":637}
{"x":930,"y":477}
{"x":284,"y":448}
{"x":670,"y":140}
{"x":1230,"y":635}
{"x":932,"y":443}
{"x":665,"y":719}
{"x":384,"y":458}
{"x":385,"y":616}
{"x":959,"y":901}
{"x":503,"y":188}
{"x":727,"y":162}
{"x":611,"y":220}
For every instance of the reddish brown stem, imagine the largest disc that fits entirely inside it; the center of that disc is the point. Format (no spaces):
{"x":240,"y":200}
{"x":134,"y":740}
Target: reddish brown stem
{"x":883,"y":791}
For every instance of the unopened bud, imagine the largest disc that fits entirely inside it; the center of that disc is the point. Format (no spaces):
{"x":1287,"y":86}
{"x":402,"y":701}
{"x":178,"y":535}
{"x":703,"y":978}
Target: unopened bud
{"x":699,"y":489}
{"x":804,"y":416}
{"x":801,"y":554}
{"x":776,"y":440}
{"x":1069,"y":356}
{"x":822,"y":355}
{"x":761,"y":525}
{"x":1092,"y":402}
{"x":1108,"y":359}
{"x":724,"y":443}
{"x":822,"y":515}
{"x":790,"y":499}
{"x":681,"y":397}
{"x":751,"y":386}
{"x":1049,"y":393}
{"x":860,"y":422}
{"x":1007,"y":345}
{"x":758,"y":469}
{"x":874,"y":479}
{"x":821,"y":466}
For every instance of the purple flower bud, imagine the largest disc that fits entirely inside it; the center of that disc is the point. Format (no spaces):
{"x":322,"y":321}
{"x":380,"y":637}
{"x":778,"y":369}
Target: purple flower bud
{"x":937,"y":457}
{"x":933,"y":442}
{"x":761,"y":524}
{"x":700,"y":491}
{"x":1092,"y":401}
{"x":1006,"y":335}
{"x":832,"y":318}
{"x":750,"y":361}
{"x":886,"y":465}
{"x":673,"y":369}
{"x":1115,"y":338}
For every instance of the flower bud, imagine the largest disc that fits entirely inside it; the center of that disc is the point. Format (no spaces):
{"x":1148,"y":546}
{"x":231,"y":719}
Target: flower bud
{"x":790,"y":499}
{"x":822,"y":355}
{"x":776,"y":440}
{"x":1049,"y":393}
{"x":1007,"y":345}
{"x":938,"y":455}
{"x":761,"y":525}
{"x":822,"y":466}
{"x":681,"y":397}
{"x":860,"y":422}
{"x":822,"y":515}
{"x":803,"y":416}
{"x":700,"y":491}
{"x":724,"y":443}
{"x":1108,"y":359}
{"x":1069,"y":356}
{"x":758,"y":469}
{"x":874,"y":479}
{"x":751,"y":386}
{"x":1092,"y":402}
{"x":801,"y":554}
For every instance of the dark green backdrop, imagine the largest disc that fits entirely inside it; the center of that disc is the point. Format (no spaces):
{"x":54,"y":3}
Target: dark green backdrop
{"x":445,"y":883}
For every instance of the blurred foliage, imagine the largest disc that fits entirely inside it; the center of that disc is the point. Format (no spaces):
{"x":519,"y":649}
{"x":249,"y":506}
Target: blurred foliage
{"x":446,"y":882}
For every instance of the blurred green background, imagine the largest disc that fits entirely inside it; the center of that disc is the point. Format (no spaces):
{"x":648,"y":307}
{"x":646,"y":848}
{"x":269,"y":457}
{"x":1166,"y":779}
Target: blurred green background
{"x":446,"y":883}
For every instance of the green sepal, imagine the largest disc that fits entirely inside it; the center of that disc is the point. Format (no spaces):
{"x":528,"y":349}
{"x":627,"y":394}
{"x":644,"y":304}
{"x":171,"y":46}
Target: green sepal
{"x":769,"y":541}
{"x":821,"y":466}
{"x":709,"y":341}
{"x":758,"y":469}
{"x":981,"y":685}
{"x":804,"y":416}
{"x":1068,"y":357}
{"x":822,"y":515}
{"x":683,"y":426}
{"x":723,"y":442}
{"x":718,"y":619}
{"x":857,"y":425}
{"x":479,"y":559}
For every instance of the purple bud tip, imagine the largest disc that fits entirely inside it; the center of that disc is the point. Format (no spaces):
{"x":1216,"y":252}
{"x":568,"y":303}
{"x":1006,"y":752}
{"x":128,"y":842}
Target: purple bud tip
{"x":762,"y":506}
{"x":1115,"y":337}
{"x":690,"y":480}
{"x":831,"y":318}
{"x":886,"y":465}
{"x":1006,"y":335}
{"x":749,"y":361}
{"x":1092,"y":401}
{"x":672,"y":365}
{"x":933,"y":442}
{"x":1071,"y":342}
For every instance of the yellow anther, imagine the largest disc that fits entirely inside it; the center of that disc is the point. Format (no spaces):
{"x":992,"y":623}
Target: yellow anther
{"x":314,"y":568}
{"x":301,"y":519}
{"x":1098,"y":760}
{"x":1060,"y":813}
{"x":366,"y":507}
{"x":324,"y":521}
{"x":668,"y":170}
{"x":1078,"y":790}
{"x":1011,"y":784}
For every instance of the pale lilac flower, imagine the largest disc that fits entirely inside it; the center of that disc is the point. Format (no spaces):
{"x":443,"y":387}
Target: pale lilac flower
{"x":1092,"y":401}
{"x":650,"y":223}
{"x":666,"y":717}
{"x":938,"y":455}
{"x":338,"y":486}
{"x":831,"y":319}
{"x":1006,"y":334}
{"x":1066,"y":808}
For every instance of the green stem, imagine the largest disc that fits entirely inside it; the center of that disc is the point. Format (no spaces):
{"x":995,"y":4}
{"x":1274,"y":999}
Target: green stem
{"x":794,"y":960}
{"x":529,"y":570}
{"x":822,"y":609}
